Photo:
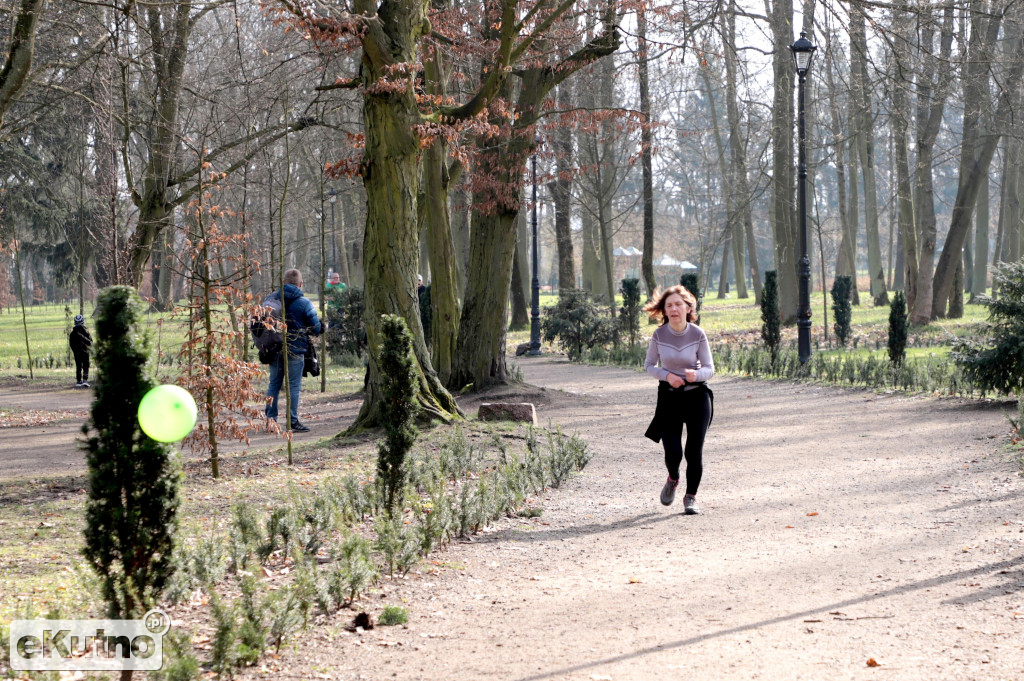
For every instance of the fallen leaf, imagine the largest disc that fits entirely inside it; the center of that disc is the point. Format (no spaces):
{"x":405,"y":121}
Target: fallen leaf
{"x":789,"y":527}
{"x":811,"y":514}
{"x":634,"y":580}
{"x":873,"y":663}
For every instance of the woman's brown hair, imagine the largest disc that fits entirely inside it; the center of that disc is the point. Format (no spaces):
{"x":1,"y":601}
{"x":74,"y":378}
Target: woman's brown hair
{"x":656,"y":308}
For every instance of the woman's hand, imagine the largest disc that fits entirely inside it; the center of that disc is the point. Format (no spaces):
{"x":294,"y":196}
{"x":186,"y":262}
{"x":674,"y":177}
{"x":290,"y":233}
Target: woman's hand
{"x":690,"y":375}
{"x":675,"y":381}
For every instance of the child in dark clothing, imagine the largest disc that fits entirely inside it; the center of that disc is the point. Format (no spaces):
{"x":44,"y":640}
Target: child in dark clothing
{"x":80,"y":342}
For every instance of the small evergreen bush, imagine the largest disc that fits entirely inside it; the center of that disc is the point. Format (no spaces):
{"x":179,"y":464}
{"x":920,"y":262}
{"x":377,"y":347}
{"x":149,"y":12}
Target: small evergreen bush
{"x":131,"y":515}
{"x":629,"y":313}
{"x":841,"y":310}
{"x":180,"y":663}
{"x":898,"y":329}
{"x":346,"y":333}
{"x":398,"y":409}
{"x":771,"y":321}
{"x":691,"y":282}
{"x":393,"y":615}
{"x":577,"y":323}
{"x":997,"y":361}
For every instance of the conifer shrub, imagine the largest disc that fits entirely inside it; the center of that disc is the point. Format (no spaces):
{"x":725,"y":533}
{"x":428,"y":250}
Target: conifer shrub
{"x":841,"y":310}
{"x":180,"y":663}
{"x":898,"y":329}
{"x":771,"y":322}
{"x":691,"y":282}
{"x":393,"y":615}
{"x":577,"y":323}
{"x":346,"y":332}
{"x":398,"y":409}
{"x":629,"y":313}
{"x":131,"y":515}
{"x":997,"y":362}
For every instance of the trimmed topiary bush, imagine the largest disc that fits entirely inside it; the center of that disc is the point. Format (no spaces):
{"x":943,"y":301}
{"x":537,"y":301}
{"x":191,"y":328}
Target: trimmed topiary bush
{"x":629,"y":313}
{"x":898,"y":328}
{"x":691,"y":282}
{"x":771,"y":322}
{"x":841,"y":310}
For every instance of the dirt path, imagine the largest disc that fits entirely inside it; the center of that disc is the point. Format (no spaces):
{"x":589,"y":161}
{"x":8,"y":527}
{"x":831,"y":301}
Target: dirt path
{"x":839,"y":527}
{"x":51,"y":449}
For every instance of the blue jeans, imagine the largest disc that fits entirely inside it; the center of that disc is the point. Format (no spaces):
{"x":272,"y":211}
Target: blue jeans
{"x":295,"y":363}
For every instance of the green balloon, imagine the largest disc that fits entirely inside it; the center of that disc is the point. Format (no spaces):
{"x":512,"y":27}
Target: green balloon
{"x":167,"y":413}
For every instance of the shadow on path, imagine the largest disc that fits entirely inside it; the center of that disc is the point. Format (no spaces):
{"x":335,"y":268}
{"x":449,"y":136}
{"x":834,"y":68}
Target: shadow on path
{"x":575,"y":531}
{"x":1001,"y":567}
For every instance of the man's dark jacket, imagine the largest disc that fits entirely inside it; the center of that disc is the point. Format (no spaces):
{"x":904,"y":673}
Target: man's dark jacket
{"x":300,"y":316}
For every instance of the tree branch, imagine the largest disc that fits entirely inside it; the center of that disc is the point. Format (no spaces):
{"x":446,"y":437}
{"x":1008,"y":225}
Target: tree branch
{"x":15,"y":74}
{"x":265,"y":138}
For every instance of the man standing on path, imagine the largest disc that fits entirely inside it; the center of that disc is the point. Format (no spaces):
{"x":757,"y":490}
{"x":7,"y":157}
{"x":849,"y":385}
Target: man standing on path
{"x":80,"y":342}
{"x":301,"y":319}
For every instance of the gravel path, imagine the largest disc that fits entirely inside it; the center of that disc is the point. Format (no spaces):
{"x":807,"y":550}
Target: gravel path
{"x":841,"y":529}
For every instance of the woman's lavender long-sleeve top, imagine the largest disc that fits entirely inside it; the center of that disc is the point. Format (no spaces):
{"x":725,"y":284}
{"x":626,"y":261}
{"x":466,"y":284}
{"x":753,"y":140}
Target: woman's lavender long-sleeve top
{"x":677,"y":352}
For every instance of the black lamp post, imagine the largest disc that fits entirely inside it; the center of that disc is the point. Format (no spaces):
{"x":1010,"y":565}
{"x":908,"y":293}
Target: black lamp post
{"x":803,"y":50}
{"x":332,"y":196}
{"x":535,"y":287}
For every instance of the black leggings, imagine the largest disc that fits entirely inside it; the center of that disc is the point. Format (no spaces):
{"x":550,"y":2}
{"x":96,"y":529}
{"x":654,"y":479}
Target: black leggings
{"x":695,"y":413}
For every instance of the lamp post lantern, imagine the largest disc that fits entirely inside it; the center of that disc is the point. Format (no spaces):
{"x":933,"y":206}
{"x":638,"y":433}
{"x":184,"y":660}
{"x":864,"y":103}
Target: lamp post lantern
{"x":803,"y":51}
{"x":535,"y":284}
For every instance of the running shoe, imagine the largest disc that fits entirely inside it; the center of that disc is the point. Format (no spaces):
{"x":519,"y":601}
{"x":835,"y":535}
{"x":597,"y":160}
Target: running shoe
{"x":668,"y":492}
{"x":690,"y":505}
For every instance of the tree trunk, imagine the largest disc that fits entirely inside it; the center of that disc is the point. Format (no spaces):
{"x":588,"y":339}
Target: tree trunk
{"x":733,"y":238}
{"x":646,"y":152}
{"x":864,"y":126}
{"x":723,"y":272}
{"x":932,"y":91}
{"x":977,"y":148}
{"x":561,"y":195}
{"x":741,"y":218}
{"x":391,"y":176}
{"x":593,"y":279}
{"x":783,"y":179}
{"x":956,"y":294}
{"x":480,"y":358}
{"x":853,"y":220}
{"x":907,"y":264}
{"x":444,"y":294}
{"x":520,"y":288}
{"x":982,"y":220}
{"x":606,"y":177}
{"x":444,"y":284}
{"x":17,"y":66}
{"x":1010,"y":211}
{"x":459,"y":211}
{"x":300,"y":255}
{"x":351,"y":217}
